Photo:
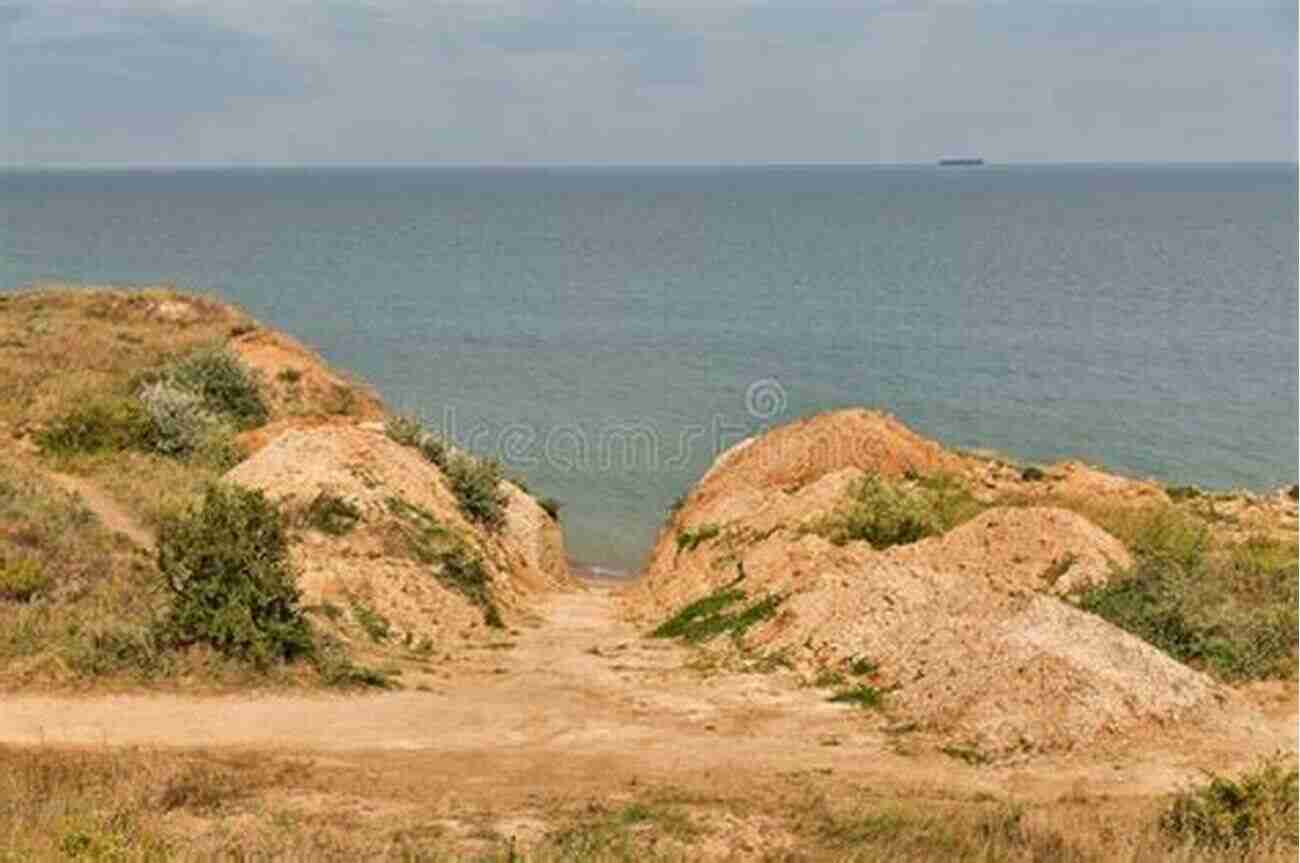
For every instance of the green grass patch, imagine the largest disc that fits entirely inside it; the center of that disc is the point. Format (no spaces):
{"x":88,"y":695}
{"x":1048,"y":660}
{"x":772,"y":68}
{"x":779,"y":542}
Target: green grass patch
{"x":376,"y":627}
{"x":707,"y":618}
{"x":1258,"y":808}
{"x":689,"y":540}
{"x":883,"y":513}
{"x":1230,"y":611}
{"x":477,"y":486}
{"x":862,"y":695}
{"x":23,"y":580}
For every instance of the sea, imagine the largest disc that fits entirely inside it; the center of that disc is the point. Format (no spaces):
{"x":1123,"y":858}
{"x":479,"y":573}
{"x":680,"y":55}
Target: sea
{"x":606,"y":331}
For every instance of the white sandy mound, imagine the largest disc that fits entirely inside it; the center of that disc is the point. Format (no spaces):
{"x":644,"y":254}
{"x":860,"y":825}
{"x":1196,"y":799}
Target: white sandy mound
{"x":373,"y":562}
{"x":967,"y":630}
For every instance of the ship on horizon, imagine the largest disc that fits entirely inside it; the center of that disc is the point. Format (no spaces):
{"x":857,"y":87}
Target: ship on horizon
{"x":953,"y":163}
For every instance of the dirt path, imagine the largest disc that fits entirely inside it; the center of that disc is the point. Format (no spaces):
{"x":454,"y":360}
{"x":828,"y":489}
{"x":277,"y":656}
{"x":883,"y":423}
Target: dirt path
{"x":583,"y":698}
{"x":108,"y":511}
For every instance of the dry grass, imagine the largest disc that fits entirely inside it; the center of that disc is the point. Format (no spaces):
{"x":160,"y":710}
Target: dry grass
{"x":90,"y":620}
{"x":134,"y":805}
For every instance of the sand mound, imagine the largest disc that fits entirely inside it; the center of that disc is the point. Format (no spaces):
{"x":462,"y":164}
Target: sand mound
{"x":966,"y":630}
{"x":382,"y":563}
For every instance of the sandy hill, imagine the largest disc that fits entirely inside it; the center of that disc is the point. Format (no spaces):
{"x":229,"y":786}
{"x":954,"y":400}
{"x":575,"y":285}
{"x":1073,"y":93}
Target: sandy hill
{"x":151,"y":394}
{"x":968,"y":634}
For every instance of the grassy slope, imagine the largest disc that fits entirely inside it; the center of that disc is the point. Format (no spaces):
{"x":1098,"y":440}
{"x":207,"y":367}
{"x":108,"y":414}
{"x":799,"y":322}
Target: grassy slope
{"x":88,"y":623}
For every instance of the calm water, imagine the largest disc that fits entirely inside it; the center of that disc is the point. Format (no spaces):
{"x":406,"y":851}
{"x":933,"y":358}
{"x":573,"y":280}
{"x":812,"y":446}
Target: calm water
{"x":606,"y":331}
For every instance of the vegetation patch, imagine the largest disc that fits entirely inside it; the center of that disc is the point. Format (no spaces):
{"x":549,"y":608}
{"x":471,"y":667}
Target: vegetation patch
{"x":706,"y":618}
{"x":226,"y":563}
{"x":689,"y":540}
{"x":99,"y":425}
{"x":331,"y":514}
{"x":452,"y":561}
{"x":551,"y":507}
{"x":477,"y":486}
{"x":1033,"y":474}
{"x":23,"y":580}
{"x":463,"y":571}
{"x":1257,"y":809}
{"x":376,"y":627}
{"x":1231,"y":611}
{"x":226,"y":386}
{"x":408,"y":431}
{"x":885,"y":514}
{"x":1182,"y":492}
{"x":862,"y":695}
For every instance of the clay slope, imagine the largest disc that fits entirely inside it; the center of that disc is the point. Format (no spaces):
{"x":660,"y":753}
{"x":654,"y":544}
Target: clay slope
{"x":967,"y":631}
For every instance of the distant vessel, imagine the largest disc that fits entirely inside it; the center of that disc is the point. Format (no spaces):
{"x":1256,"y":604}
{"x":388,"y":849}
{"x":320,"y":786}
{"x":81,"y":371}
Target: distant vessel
{"x":952,"y":163}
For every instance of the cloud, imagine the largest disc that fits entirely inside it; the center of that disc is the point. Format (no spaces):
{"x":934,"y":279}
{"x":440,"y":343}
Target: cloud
{"x":647,"y":80}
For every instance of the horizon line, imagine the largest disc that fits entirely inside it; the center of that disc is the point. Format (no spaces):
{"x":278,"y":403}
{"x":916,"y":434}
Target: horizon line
{"x":282,"y":166}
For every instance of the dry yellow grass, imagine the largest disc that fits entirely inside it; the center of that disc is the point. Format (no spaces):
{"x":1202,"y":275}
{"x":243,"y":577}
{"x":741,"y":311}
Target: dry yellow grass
{"x":131,"y":805}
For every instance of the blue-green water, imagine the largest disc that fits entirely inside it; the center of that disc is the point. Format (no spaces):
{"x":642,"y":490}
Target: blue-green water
{"x":600,"y":329}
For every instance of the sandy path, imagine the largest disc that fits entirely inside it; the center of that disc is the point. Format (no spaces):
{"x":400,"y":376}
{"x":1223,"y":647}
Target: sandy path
{"x":108,"y":511}
{"x":584,"y":699}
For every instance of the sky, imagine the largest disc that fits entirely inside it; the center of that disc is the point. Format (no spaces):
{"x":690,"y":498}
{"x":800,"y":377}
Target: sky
{"x":182,"y":82}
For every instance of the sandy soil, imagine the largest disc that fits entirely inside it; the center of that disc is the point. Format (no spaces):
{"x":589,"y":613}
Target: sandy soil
{"x":582,"y":702}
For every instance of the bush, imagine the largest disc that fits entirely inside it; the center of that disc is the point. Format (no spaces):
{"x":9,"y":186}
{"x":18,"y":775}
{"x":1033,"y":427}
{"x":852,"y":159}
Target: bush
{"x":476,"y":485}
{"x":689,"y":540}
{"x":552,"y":507}
{"x":1032,"y":474}
{"x":22,"y":580}
{"x":409,"y":432}
{"x":226,"y":562}
{"x":1257,"y":809}
{"x":462,"y":571}
{"x":99,"y":425}
{"x":1233,"y":612}
{"x":180,"y":422}
{"x":881,"y":515}
{"x":331,"y":514}
{"x":225,"y":384}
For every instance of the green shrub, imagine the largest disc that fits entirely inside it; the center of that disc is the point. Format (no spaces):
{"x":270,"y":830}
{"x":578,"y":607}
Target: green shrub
{"x":462,"y":570}
{"x":552,"y":507}
{"x":375,"y":625}
{"x":337,"y":669}
{"x":860,"y":696}
{"x":1182,"y":492}
{"x":1032,"y":474}
{"x":22,"y":580}
{"x":1257,"y":809}
{"x":116,"y":648}
{"x":881,"y":515}
{"x":409,"y":432}
{"x":1233,"y":612}
{"x":476,"y":485}
{"x":102,"y":424}
{"x":226,"y":562}
{"x":179,"y":420}
{"x":862,"y":666}
{"x":689,"y":540}
{"x":331,"y":514}
{"x":225,"y":384}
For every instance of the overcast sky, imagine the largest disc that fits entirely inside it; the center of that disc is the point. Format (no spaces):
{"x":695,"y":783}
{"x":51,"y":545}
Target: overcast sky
{"x":644,"y":81}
